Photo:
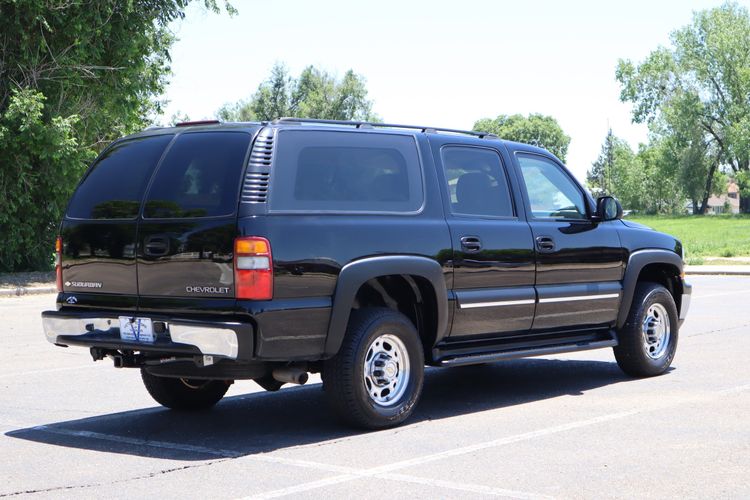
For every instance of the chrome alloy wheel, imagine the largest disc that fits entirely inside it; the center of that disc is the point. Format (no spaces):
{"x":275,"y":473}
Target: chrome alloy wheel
{"x":386,"y":370}
{"x":656,"y":331}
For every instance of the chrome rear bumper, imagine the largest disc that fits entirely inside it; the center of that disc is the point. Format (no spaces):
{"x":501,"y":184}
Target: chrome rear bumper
{"x":221,"y":338}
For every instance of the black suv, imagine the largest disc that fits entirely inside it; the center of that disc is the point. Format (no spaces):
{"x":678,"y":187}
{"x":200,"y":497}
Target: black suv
{"x":208,"y":252}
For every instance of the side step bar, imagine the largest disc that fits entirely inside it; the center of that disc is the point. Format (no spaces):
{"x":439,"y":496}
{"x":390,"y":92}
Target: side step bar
{"x":486,"y":357}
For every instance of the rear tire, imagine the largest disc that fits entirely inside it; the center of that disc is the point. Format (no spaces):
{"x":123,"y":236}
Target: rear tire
{"x":375,"y":380}
{"x":648,"y":339}
{"x":184,"y":394}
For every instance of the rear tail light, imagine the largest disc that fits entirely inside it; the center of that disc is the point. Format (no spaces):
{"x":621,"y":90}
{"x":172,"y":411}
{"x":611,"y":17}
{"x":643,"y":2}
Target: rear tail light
{"x":58,"y":263}
{"x":253,"y":268}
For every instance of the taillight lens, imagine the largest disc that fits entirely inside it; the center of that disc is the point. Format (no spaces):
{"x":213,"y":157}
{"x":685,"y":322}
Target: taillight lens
{"x":58,"y":263}
{"x":253,"y":268}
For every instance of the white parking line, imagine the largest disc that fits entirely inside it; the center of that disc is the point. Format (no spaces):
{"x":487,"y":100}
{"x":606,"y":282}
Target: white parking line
{"x":138,"y":442}
{"x":476,"y":489}
{"x":267,"y":458}
{"x":49,"y":370}
{"x":387,"y":469}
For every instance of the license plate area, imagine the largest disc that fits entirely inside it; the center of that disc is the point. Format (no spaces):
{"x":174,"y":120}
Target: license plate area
{"x":137,"y":329}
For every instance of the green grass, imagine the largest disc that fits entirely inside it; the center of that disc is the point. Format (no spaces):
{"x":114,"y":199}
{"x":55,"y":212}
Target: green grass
{"x":705,"y":236}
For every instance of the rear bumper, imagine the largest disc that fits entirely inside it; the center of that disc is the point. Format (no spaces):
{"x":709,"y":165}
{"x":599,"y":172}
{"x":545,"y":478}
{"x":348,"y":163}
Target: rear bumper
{"x":223,"y":339}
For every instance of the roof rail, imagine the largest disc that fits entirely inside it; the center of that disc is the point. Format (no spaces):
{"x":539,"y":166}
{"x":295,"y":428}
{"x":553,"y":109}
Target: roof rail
{"x":358,"y":124}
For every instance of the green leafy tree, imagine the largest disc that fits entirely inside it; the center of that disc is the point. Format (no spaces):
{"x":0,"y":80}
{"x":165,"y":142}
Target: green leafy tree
{"x":600,"y":177}
{"x":536,"y":129}
{"x":73,"y":76}
{"x":314,"y":94}
{"x":699,"y":91}
{"x":644,"y":181}
{"x":656,"y":180}
{"x":615,"y":172}
{"x":40,"y":160}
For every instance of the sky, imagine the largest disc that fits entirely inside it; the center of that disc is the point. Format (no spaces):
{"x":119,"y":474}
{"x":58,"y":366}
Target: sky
{"x":437,"y":63}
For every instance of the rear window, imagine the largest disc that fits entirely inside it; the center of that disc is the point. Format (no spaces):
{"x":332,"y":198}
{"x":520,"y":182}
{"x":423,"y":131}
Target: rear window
{"x":199,"y":176}
{"x":344,"y":171}
{"x":114,"y":186}
{"x":476,"y":182}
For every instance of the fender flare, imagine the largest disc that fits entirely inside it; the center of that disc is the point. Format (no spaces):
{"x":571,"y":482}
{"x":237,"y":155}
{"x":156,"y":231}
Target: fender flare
{"x":357,"y":273}
{"x":636,"y":262}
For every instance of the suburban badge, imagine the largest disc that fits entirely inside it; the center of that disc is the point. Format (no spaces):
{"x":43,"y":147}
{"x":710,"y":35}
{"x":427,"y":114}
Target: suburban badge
{"x":84,"y":284}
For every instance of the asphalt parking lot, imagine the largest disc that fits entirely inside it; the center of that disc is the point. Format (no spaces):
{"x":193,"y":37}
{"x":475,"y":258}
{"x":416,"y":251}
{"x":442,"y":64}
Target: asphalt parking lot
{"x":570,"y":426}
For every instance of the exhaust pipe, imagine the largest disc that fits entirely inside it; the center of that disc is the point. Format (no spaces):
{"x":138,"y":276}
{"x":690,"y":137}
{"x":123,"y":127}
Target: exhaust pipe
{"x":290,"y":375}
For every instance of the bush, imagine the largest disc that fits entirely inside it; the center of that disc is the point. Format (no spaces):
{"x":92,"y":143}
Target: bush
{"x":40,"y":164}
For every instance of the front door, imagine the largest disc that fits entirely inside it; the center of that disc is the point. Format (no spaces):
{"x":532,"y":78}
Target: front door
{"x":579,"y":261}
{"x":492,"y":246}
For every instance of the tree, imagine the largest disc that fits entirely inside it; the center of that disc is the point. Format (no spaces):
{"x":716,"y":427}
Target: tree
{"x":699,"y":91}
{"x":74,"y":75}
{"x":646,"y":181}
{"x":615,"y":172}
{"x":657,"y":185}
{"x":314,"y":94}
{"x":599,"y":178}
{"x":536,"y":129}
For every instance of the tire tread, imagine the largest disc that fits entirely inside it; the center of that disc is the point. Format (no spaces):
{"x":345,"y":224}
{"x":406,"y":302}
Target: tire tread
{"x":340,"y":370}
{"x":629,"y":353}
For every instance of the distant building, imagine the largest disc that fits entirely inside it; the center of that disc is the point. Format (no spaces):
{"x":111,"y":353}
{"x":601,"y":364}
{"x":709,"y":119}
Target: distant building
{"x":726,"y":203}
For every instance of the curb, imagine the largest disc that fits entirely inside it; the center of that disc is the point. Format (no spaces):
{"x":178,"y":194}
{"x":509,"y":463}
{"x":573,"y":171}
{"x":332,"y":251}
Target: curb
{"x":693,"y":271}
{"x":32,"y":290}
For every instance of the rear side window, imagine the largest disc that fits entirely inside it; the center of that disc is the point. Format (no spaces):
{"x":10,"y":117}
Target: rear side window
{"x":476,"y":182}
{"x":345,"y":171}
{"x":199,"y":176}
{"x":114,"y":186}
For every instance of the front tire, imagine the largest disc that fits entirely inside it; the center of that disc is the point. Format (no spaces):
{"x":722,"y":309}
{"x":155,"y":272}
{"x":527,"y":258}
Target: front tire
{"x":648,"y":339}
{"x":182,"y":393}
{"x":375,"y":380}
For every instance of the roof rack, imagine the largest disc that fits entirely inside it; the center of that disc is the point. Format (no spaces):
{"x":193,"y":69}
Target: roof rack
{"x":358,"y":124}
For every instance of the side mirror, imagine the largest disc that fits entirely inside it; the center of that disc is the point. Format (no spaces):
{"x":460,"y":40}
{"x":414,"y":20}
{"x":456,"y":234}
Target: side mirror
{"x":607,"y":208}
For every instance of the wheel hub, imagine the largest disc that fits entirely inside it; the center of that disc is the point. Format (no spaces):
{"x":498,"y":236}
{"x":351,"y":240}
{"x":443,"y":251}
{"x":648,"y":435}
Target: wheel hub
{"x":656,"y":330}
{"x":386,"y":370}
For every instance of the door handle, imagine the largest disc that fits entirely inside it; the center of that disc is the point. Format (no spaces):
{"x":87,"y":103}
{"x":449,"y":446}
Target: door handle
{"x":156,"y":246}
{"x":471,"y":244}
{"x":545,"y":244}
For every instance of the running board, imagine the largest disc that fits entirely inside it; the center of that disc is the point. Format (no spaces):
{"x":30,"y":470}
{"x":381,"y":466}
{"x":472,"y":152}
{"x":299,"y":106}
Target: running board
{"x":470,"y":359}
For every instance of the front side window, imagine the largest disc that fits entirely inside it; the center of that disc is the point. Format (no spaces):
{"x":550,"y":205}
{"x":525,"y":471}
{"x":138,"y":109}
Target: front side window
{"x":477,"y":183}
{"x":199,"y":176}
{"x":345,"y":171}
{"x":552,"y":194}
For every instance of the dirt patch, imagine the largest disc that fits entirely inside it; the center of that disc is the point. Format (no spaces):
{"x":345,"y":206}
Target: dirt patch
{"x":25,"y":280}
{"x":727,"y":261}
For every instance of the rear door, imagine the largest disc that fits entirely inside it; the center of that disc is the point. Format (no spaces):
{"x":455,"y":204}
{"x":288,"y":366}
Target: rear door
{"x":493,"y":254}
{"x":100,"y":227}
{"x":186,"y":234}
